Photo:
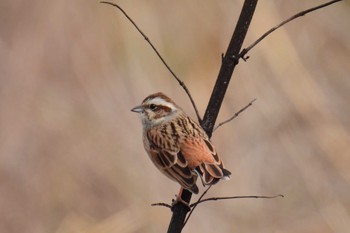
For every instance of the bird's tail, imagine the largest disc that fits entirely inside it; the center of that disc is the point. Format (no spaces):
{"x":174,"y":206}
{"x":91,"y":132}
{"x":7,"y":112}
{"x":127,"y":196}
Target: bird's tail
{"x":212,"y":173}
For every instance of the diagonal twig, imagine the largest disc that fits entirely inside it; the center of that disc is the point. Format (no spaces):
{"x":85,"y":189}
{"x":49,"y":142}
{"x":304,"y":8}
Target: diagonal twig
{"x":193,"y":206}
{"x":302,"y":13}
{"x":181,"y":83}
{"x":236,"y":115}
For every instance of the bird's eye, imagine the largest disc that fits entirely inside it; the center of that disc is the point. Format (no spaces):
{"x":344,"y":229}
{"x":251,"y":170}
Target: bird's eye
{"x":153,"y":107}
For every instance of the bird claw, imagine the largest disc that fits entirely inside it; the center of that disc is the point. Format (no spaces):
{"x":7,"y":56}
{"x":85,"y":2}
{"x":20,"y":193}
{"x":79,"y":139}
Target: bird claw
{"x":181,"y":201}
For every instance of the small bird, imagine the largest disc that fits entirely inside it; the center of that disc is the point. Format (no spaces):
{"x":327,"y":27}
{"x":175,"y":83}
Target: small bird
{"x":177,"y":145}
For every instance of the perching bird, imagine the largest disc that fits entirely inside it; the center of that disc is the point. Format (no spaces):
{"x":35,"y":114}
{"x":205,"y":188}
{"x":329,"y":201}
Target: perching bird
{"x":177,"y":145}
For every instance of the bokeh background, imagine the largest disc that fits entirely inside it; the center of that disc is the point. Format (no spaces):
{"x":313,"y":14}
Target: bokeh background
{"x":71,"y":154}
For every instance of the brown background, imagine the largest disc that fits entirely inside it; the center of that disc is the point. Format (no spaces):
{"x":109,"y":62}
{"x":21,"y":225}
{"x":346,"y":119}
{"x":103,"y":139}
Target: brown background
{"x":71,"y":156}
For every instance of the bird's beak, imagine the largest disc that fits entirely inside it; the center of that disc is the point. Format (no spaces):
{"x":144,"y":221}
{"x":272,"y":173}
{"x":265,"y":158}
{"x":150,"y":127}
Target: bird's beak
{"x":138,"y":109}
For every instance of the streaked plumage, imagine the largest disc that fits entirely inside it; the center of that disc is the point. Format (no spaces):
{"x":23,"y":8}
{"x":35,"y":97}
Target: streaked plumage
{"x":177,"y":145}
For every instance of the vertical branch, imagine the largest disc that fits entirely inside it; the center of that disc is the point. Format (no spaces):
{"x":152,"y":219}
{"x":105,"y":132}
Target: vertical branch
{"x":179,"y":213}
{"x":229,"y":62}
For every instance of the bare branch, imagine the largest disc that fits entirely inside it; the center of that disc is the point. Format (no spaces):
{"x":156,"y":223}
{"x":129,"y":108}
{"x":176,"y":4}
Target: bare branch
{"x":234,"y":197}
{"x":302,"y":13}
{"x":162,"y":204}
{"x":182,"y":84}
{"x":200,"y":200}
{"x":236,"y":115}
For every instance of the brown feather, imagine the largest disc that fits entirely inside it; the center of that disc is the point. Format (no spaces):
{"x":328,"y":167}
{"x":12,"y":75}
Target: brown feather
{"x":178,"y":146}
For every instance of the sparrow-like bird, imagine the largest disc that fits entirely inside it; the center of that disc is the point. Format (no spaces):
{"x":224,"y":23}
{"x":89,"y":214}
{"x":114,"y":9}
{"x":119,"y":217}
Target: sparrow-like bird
{"x":177,"y":145}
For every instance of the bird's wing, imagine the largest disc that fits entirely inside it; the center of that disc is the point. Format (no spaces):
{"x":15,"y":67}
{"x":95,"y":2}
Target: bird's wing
{"x":172,"y":163}
{"x":202,"y":156}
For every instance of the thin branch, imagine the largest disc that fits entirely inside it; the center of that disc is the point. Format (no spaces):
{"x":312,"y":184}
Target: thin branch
{"x":302,"y":13}
{"x":182,"y":84}
{"x":234,"y":197}
{"x":161,"y":204}
{"x":200,"y":200}
{"x":193,"y":206}
{"x":236,"y":114}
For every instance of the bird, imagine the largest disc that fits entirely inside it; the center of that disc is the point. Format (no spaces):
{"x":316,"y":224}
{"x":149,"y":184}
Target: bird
{"x":177,"y":145}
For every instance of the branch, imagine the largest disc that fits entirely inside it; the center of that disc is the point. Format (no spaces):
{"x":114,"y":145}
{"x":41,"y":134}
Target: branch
{"x":302,"y":13}
{"x":234,"y":197}
{"x":162,"y":204}
{"x":182,"y":84}
{"x":229,"y":62}
{"x":236,"y":114}
{"x":201,"y":200}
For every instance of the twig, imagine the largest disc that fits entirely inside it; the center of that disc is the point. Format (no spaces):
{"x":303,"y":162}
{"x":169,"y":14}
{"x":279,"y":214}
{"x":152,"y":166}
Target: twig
{"x":200,"y":200}
{"x":182,"y":84}
{"x":236,"y":114}
{"x":302,"y":13}
{"x":193,"y":206}
{"x":234,"y":197}
{"x":161,"y":204}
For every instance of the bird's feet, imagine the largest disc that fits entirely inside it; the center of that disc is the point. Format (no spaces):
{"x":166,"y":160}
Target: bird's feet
{"x":180,"y":200}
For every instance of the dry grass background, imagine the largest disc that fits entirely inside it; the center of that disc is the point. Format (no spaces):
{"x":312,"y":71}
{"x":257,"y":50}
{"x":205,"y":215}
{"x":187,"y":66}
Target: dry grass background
{"x":71,"y":156}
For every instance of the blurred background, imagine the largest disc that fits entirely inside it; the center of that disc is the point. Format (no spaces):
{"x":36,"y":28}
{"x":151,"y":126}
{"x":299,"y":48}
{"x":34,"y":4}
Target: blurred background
{"x":71,"y":153}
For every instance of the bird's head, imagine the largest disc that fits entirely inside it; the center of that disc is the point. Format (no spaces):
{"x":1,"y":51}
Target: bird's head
{"x":156,"y":109}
